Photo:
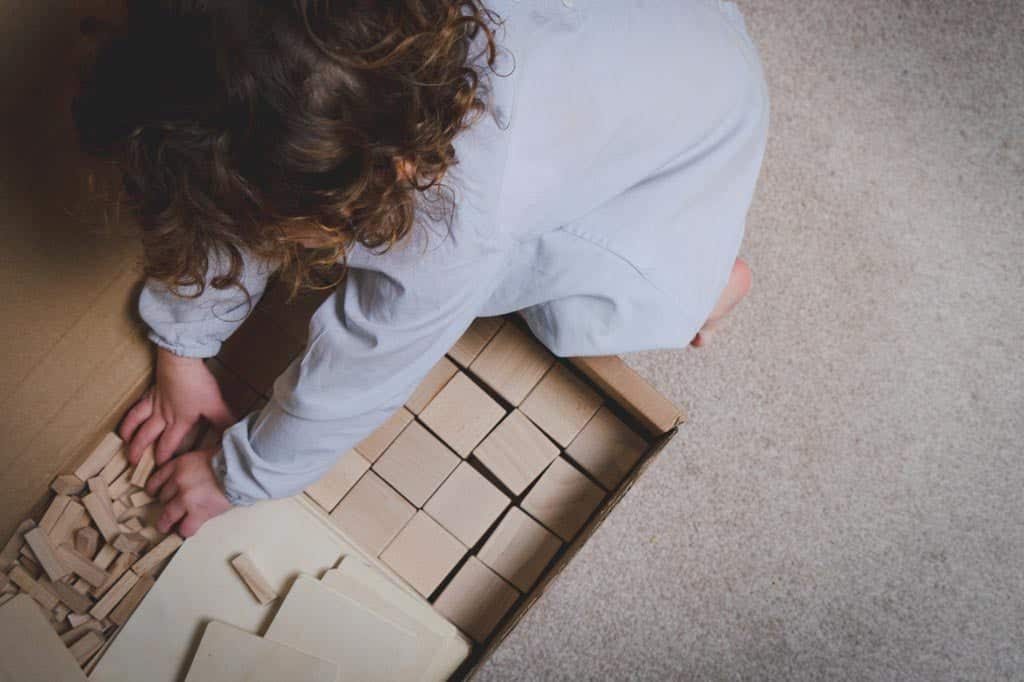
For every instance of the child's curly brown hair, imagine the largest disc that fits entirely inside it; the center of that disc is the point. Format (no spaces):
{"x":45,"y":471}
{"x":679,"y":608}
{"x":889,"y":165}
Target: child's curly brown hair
{"x":266,"y":125}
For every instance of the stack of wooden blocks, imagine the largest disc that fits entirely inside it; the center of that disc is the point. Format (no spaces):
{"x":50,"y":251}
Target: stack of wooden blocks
{"x":496,"y":461}
{"x":94,"y":553}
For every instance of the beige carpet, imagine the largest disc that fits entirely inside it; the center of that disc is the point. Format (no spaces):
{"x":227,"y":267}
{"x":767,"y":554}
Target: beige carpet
{"x":846,"y":501}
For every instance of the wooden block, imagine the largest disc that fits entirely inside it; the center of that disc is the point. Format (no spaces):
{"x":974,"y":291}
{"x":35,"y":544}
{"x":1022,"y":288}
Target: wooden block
{"x":87,"y":541}
{"x":46,"y":554}
{"x":519,"y":549}
{"x":101,"y":455}
{"x":374,"y":445}
{"x":476,"y":599}
{"x":114,"y":595}
{"x":106,"y":556}
{"x":80,"y":627}
{"x":59,"y":615}
{"x":145,"y":466}
{"x":67,"y":484}
{"x":72,"y":598}
{"x":227,"y":654}
{"x":74,"y":517}
{"x":431,"y":385}
{"x":9,"y":554}
{"x":122,"y":485}
{"x":53,"y":512}
{"x":82,"y":567}
{"x":416,"y":463}
{"x":512,"y":363}
{"x":466,"y":504}
{"x":333,"y":485}
{"x":152,"y":534}
{"x":423,"y":553}
{"x":372,"y":513}
{"x":607,"y":448}
{"x":168,"y":546}
{"x":102,"y":515}
{"x":561,"y":404}
{"x":462,"y":414}
{"x":516,"y":452}
{"x":85,"y":647}
{"x":253,"y":579}
{"x":115,"y":467}
{"x":474,"y":339}
{"x":130,"y":542}
{"x":622,"y":384}
{"x":123,"y":611}
{"x":32,"y":652}
{"x":563,"y":499}
{"x":141,"y":499}
{"x":32,"y":588}
{"x":236,"y":393}
{"x":131,"y":515}
{"x":99,"y":486}
{"x":30,"y":566}
{"x":117,"y":570}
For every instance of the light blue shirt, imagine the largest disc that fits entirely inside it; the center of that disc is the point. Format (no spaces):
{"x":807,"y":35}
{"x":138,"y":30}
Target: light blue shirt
{"x":604,"y":195}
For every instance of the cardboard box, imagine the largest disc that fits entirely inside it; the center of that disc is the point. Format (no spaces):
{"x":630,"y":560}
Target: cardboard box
{"x":76,"y":357}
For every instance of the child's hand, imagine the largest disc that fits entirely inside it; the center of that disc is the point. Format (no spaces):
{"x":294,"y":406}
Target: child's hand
{"x":185,"y":391}
{"x":189,"y":491}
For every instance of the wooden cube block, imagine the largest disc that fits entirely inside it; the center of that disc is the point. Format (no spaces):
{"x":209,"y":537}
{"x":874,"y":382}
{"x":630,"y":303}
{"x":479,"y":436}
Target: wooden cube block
{"x":462,"y":414}
{"x":473,"y":341}
{"x":431,"y":385}
{"x":561,"y":404}
{"x":423,"y":553}
{"x":516,"y":452}
{"x":374,"y":445}
{"x":476,"y":599}
{"x":466,"y":504}
{"x":519,"y":549}
{"x":512,"y":363}
{"x":332,"y":486}
{"x":607,"y":448}
{"x":563,"y":499}
{"x":259,"y":351}
{"x":416,"y":463}
{"x":372,"y":513}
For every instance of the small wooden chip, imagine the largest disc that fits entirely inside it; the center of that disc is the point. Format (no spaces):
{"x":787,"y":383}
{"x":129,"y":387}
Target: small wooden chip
{"x":29,"y":586}
{"x":67,"y":484}
{"x":102,"y":514}
{"x":9,"y":554}
{"x":252,"y":577}
{"x":72,"y":598}
{"x":46,"y":554}
{"x":141,"y":499}
{"x":144,"y":468}
{"x":86,"y":646}
{"x":130,"y":542}
{"x":53,"y":512}
{"x":80,"y":566}
{"x":114,"y":595}
{"x":87,"y":541}
{"x":155,"y":556}
{"x":126,"y":608}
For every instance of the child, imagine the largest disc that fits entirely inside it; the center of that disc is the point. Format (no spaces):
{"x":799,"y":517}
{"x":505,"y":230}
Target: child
{"x":587,"y":163}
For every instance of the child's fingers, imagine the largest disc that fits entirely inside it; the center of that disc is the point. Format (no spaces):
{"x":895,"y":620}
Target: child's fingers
{"x":172,"y":513}
{"x":139,"y":413}
{"x":159,"y":477}
{"x":144,"y":437}
{"x":190,"y":524}
{"x":170,"y":439}
{"x":168,"y":492}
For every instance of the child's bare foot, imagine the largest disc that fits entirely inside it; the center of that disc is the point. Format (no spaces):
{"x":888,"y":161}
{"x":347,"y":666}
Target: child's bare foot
{"x":734,"y":292}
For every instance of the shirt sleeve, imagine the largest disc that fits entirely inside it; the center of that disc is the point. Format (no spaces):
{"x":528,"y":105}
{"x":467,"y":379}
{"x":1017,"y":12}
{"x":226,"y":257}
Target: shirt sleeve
{"x":196,"y":327}
{"x":370,"y":346}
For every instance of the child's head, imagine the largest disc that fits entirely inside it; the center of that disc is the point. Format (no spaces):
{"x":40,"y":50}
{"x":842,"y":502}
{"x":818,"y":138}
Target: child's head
{"x":266,"y":125}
